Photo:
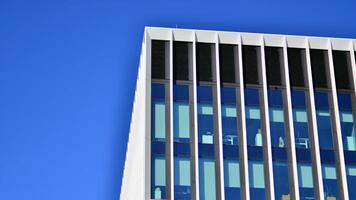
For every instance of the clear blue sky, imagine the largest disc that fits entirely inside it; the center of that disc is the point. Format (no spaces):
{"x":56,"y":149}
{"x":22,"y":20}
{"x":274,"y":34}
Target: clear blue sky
{"x":68,"y":72}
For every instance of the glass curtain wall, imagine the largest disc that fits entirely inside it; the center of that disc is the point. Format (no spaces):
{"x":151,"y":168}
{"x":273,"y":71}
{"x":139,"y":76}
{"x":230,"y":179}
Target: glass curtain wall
{"x":227,"y":60}
{"x":181,"y":120}
{"x":347,"y":107}
{"x":158,"y":120}
{"x":319,"y":61}
{"x":206,"y":129}
{"x":297,"y":64}
{"x":252,"y":86}
{"x":274,"y":64}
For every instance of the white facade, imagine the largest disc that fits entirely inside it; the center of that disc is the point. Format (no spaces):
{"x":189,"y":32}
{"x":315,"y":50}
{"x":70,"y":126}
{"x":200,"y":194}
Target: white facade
{"x":136,"y":178}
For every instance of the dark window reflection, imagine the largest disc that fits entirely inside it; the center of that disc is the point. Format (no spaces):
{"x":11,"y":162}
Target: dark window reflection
{"x":181,"y":60}
{"x":319,"y":62}
{"x":296,"y":61}
{"x":204,"y":61}
{"x":274,"y":60}
{"x":158,"y":61}
{"x":250,"y":56}
{"x":227,"y":62}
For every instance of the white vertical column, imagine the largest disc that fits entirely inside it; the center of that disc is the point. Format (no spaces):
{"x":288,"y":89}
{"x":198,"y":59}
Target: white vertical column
{"x":288,"y":115}
{"x":147,"y":113}
{"x":266,"y":134}
{"x":218,"y":149}
{"x":336,"y":127}
{"x":194,"y":139}
{"x":313,"y":129}
{"x":169,"y":153}
{"x":242,"y":137}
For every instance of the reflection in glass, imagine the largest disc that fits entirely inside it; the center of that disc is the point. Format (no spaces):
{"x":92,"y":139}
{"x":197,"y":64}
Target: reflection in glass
{"x":254,"y":143}
{"x":182,"y":188}
{"x":323,"y":117}
{"x":230,"y":142}
{"x":181,"y":132}
{"x":207,"y":179}
{"x":205,"y":115}
{"x":302,"y":144}
{"x":347,"y":122}
{"x":279,"y":144}
{"x":158,"y":124}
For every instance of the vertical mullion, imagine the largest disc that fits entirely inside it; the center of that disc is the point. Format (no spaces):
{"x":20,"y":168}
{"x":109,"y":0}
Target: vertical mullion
{"x":217,"y":121}
{"x":267,"y":151}
{"x":242,"y":137}
{"x":194,"y":133}
{"x":336,"y":127}
{"x":313,"y":130}
{"x":169,"y":103}
{"x":288,"y":115}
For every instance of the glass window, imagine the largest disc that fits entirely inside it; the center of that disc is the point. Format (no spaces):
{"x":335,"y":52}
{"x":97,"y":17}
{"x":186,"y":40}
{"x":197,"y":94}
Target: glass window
{"x":323,"y":120}
{"x":250,"y":61}
{"x":229,"y":116}
{"x":181,"y":60}
{"x":207,"y":179}
{"x":232,"y":179}
{"x":347,"y":121}
{"x":181,"y":117}
{"x":182,"y":189}
{"x":273,"y":56}
{"x":256,"y":178}
{"x":253,"y":117}
{"x":158,"y":61}
{"x":276,"y":114}
{"x":205,"y":115}
{"x":341,"y":61}
{"x":319,"y":61}
{"x":296,"y":61}
{"x":351,"y":180}
{"x":305,"y":180}
{"x":204,"y":61}
{"x":227,"y":61}
{"x":281,"y":180}
{"x":159,"y":178}
{"x":330,"y":181}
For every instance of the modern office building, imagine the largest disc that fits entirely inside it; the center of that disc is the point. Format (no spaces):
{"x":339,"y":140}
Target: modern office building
{"x":230,"y":115}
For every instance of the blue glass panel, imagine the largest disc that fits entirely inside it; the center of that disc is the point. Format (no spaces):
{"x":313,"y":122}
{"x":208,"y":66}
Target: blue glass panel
{"x":351,"y":180}
{"x":232,"y":179}
{"x":256,"y":178}
{"x":330,"y":181}
{"x":205,"y":115}
{"x":323,"y":120}
{"x":281,"y":181}
{"x":181,"y":121}
{"x":253,"y":117}
{"x":276,"y":115}
{"x":182,"y":186}
{"x":229,"y":116}
{"x":302,"y":144}
{"x":347,"y":121}
{"x":158,"y":132}
{"x":158,"y":181}
{"x":207,"y":183}
{"x":305,"y":180}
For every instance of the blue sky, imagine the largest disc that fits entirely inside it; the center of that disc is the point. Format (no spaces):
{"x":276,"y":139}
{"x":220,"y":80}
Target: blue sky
{"x":68,"y":72}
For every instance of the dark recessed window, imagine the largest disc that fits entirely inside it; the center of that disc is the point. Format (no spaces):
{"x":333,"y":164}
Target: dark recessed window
{"x":204,"y":61}
{"x":181,"y":60}
{"x":250,"y":64}
{"x":227,"y":63}
{"x":158,"y":61}
{"x":296,"y":62}
{"x":319,"y":62}
{"x":341,"y":61}
{"x":273,"y":57}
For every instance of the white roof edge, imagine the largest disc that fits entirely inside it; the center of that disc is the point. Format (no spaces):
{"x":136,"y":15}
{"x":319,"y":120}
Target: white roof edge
{"x":148,"y":28}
